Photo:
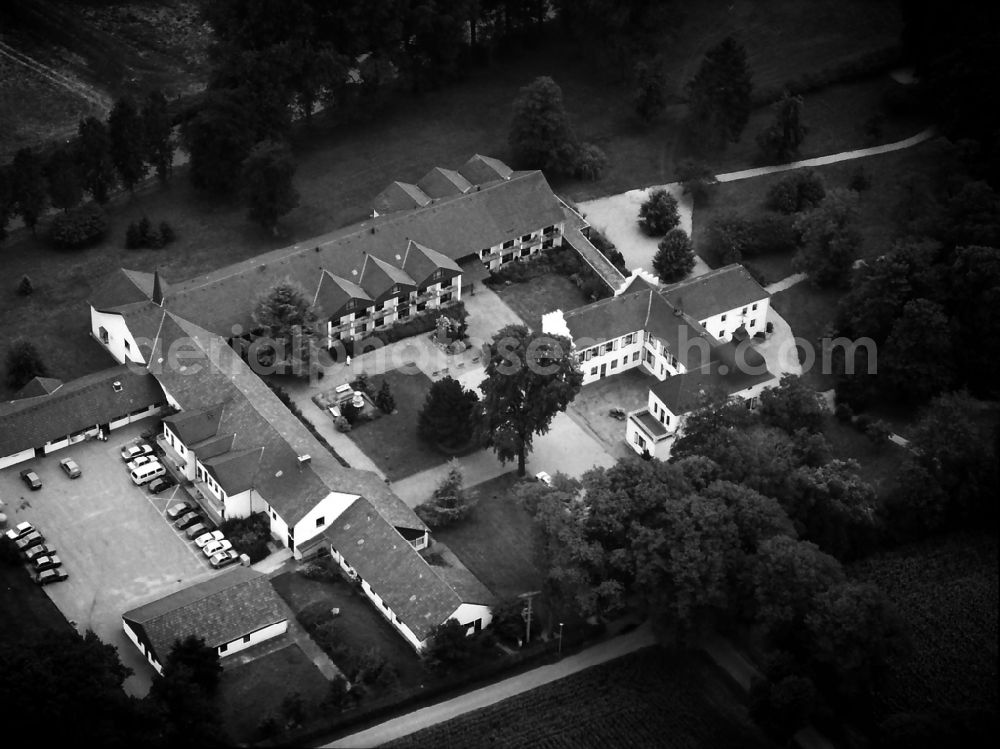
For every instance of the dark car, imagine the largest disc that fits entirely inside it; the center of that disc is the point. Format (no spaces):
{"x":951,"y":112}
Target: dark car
{"x":161,"y":484}
{"x":50,"y":576}
{"x":32,"y":539}
{"x":47,"y":563}
{"x":29,"y":477}
{"x":35,"y":552}
{"x":175,"y":511}
{"x":188,"y":519}
{"x":196,"y":530}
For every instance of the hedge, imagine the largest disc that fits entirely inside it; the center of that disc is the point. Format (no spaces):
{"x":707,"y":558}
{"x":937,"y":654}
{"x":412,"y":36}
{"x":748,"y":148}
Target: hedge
{"x":79,"y":228}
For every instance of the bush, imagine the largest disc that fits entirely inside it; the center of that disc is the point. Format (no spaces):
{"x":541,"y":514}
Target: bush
{"x":696,"y":178}
{"x":363,"y":383}
{"x":79,"y":228}
{"x":167,"y":233}
{"x":860,"y":181}
{"x":342,"y":424}
{"x":733,"y":236}
{"x":25,"y":288}
{"x":799,"y":191}
{"x":674,"y":258}
{"x":249,"y":535}
{"x":608,"y":249}
{"x":658,"y":214}
{"x":844,"y":413}
{"x":384,"y":400}
{"x":141,"y":234}
{"x":878,"y":432}
{"x":591,"y":162}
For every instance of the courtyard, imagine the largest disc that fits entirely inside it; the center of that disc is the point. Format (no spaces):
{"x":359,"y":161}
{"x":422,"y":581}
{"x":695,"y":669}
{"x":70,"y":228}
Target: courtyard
{"x":114,"y":542}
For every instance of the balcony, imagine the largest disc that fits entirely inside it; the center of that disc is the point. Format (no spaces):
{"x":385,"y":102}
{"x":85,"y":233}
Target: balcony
{"x":649,"y":425}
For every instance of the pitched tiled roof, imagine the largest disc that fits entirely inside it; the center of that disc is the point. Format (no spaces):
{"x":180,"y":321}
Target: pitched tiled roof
{"x":39,"y":386}
{"x":480,"y":170}
{"x":234,"y":470}
{"x":728,"y":372}
{"x":420,"y":262}
{"x":715,"y":292}
{"x":443,"y":183}
{"x":122,"y":287}
{"x":196,"y":425}
{"x":334,"y":293}
{"x":213,"y":446}
{"x":400,"y":196}
{"x":455,"y":227}
{"x":378,"y":277}
{"x":223,"y":608}
{"x":411,"y":587}
{"x":79,"y":404}
{"x":466,"y":585}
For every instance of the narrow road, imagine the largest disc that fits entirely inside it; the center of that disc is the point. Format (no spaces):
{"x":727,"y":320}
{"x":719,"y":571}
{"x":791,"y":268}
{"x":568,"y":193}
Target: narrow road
{"x":406,"y":724}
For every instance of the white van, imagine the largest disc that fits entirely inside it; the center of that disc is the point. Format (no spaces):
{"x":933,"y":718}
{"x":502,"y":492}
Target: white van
{"x":147,"y":472}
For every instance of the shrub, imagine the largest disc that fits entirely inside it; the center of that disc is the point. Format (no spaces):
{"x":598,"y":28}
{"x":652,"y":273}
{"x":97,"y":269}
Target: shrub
{"x":608,"y":249}
{"x":733,"y":236}
{"x":167,"y":233}
{"x":844,"y":413}
{"x":878,"y":432}
{"x":674,"y":258}
{"x":133,"y":239}
{"x":696,"y":178}
{"x":658,"y":214}
{"x":860,"y":181}
{"x":79,"y":228}
{"x":364,"y":384}
{"x":799,"y":191}
{"x":350,"y":412}
{"x":342,"y":424}
{"x":384,"y":400}
{"x":25,"y":288}
{"x":591,"y":162}
{"x":449,"y":504}
{"x":249,"y":535}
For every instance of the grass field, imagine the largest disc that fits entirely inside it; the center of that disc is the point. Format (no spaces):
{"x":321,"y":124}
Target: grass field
{"x":497,"y":541}
{"x":251,"y":692}
{"x":646,"y":699}
{"x":809,"y":311}
{"x":532,"y":299}
{"x":342,"y":168}
{"x":945,"y":591}
{"x":359,"y":626}
{"x":391,"y":440}
{"x":879,"y":465}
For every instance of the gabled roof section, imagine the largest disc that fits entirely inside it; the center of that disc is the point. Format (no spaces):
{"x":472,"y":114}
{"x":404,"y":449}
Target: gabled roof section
{"x":196,"y":425}
{"x":221,"y":609}
{"x":411,"y":587}
{"x":715,"y":292}
{"x":120,"y":288}
{"x":609,"y":318}
{"x":728,"y":371}
{"x":335,"y":292}
{"x":213,"y":446}
{"x":234,"y":471}
{"x":443,"y":183}
{"x":378,"y":277}
{"x":480,"y":170}
{"x":79,"y":404}
{"x":400,"y":196}
{"x":39,"y":386}
{"x":420,"y":262}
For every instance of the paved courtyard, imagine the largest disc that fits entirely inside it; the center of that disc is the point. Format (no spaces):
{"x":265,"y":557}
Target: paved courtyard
{"x":628,"y":391}
{"x":114,"y":542}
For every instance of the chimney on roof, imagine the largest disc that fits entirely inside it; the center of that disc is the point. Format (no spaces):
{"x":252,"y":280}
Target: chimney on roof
{"x":679,"y":307}
{"x":116,"y":386}
{"x":157,"y":288}
{"x":303,"y":459}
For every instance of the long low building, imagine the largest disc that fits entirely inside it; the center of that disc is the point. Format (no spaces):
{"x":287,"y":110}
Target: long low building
{"x":74,"y":411}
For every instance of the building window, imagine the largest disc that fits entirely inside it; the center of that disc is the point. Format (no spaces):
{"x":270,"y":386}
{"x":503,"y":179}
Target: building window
{"x":320,"y":522}
{"x":722,"y":334}
{"x":508,"y":244}
{"x":637,"y":439}
{"x":437,"y":274}
{"x":668,"y":421}
{"x":744,"y":311}
{"x":754,"y":307}
{"x":635,"y":356}
{"x":703,"y":323}
{"x":547,"y":244}
{"x":128,"y":346}
{"x":103,"y":334}
{"x":593,"y":370}
{"x":628,"y":340}
{"x":614,"y":363}
{"x":224,"y":647}
{"x":246,"y":638}
{"x":525,"y":237}
{"x":752,"y":323}
{"x":624,"y":360}
{"x":723,"y":319}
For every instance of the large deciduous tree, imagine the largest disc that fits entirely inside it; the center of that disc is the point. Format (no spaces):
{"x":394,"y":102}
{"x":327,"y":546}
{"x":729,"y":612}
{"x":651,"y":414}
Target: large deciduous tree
{"x":267,"y":186}
{"x":650,"y":97}
{"x":674,"y":257}
{"x":781,"y":140}
{"x":540,"y":135}
{"x":658,"y":213}
{"x":791,"y":406}
{"x":218,"y":138}
{"x":125,"y":129}
{"x":719,"y":93}
{"x":63,"y":176}
{"x":29,"y":191}
{"x":830,"y":239}
{"x":93,"y":153}
{"x":918,"y":359}
{"x":157,"y":135}
{"x":449,"y":504}
{"x":448,"y":416}
{"x":23,"y":363}
{"x":285,"y":315}
{"x":530,"y":377}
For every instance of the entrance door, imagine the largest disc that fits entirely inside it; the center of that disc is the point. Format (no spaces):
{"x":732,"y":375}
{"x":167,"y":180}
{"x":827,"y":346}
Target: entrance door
{"x":604,"y":369}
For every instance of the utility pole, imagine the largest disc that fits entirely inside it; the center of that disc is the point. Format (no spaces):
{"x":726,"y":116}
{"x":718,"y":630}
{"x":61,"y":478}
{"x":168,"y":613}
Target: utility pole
{"x":560,"y":639}
{"x":526,"y":614}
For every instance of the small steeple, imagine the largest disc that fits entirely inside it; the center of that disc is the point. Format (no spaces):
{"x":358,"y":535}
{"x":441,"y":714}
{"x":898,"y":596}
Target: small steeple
{"x":157,"y":288}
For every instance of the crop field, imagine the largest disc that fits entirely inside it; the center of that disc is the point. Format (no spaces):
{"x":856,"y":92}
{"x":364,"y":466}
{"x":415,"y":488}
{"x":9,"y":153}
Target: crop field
{"x":945,"y":591}
{"x":645,"y":699}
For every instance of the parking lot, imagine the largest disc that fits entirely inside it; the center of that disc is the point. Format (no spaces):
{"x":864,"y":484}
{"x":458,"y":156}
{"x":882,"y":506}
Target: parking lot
{"x":114,"y":542}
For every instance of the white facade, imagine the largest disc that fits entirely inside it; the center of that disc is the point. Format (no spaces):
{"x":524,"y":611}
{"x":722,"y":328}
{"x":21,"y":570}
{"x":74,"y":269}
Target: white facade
{"x":752,"y":316}
{"x":530,"y":243}
{"x":320,"y":516}
{"x":110,"y":330}
{"x":635,"y":349}
{"x":10,"y":460}
{"x":251,"y":639}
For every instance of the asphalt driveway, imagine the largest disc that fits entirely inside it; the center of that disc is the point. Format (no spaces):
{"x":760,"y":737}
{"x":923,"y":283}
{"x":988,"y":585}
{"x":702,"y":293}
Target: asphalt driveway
{"x":114,"y":542}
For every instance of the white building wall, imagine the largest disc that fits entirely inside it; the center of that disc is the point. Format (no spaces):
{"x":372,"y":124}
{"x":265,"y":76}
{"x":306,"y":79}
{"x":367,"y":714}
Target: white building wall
{"x":16,"y":458}
{"x":120,"y":342}
{"x":238,"y":505}
{"x":183,"y":450}
{"x":753,"y":316}
{"x":134,"y":638}
{"x":609,"y":357}
{"x":320,"y":516}
{"x":272,"y":630}
{"x":468,"y":613}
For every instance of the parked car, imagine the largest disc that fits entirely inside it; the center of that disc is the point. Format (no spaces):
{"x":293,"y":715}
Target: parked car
{"x":70,"y":467}
{"x":50,"y":576}
{"x":544,"y":478}
{"x":29,"y":477}
{"x":47,"y":563}
{"x":223,"y":558}
{"x":21,"y":529}
{"x":216,"y":547}
{"x":207,"y":538}
{"x":175,"y":511}
{"x":196,"y":530}
{"x":32,"y":539}
{"x":161,"y":484}
{"x":38,"y":551}
{"x":132,"y":450}
{"x":140,"y":461}
{"x":188,"y":519}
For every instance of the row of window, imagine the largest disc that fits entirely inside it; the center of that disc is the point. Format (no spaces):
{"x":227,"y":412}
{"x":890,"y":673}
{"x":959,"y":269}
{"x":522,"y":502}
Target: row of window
{"x":614,"y":362}
{"x":704,"y":323}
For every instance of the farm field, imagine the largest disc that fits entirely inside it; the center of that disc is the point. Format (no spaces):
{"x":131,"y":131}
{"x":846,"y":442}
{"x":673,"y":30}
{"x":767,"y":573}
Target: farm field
{"x":945,"y":591}
{"x":645,"y":699}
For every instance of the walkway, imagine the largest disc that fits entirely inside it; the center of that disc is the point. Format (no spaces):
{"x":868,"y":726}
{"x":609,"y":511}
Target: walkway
{"x":596,"y":259}
{"x":419,"y":719}
{"x":785,"y":283}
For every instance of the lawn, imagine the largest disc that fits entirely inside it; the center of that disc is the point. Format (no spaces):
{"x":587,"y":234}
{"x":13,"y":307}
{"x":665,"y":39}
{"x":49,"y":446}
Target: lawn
{"x":945,"y":591}
{"x":810,"y":311}
{"x":644,"y":699}
{"x":498,"y":540}
{"x":533,"y":298}
{"x":254,"y":691}
{"x":341,"y":168}
{"x":391,"y":441}
{"x":359,"y":626}
{"x":25,"y":609}
{"x":879,"y":465}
